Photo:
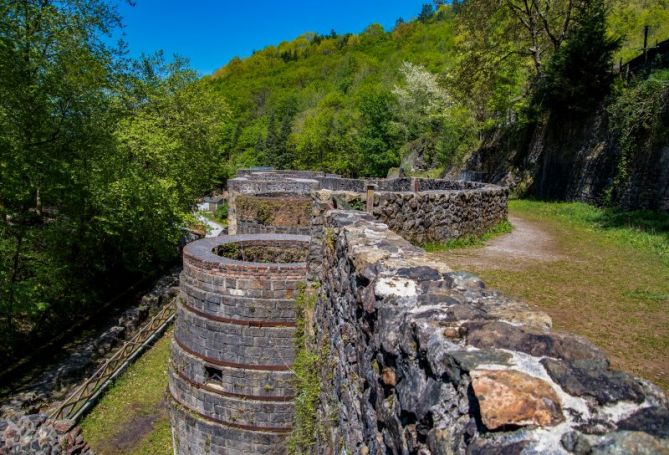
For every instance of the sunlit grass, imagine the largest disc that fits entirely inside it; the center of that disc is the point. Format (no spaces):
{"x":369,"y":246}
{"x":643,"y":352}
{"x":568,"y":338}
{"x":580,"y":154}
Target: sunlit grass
{"x":469,"y":241}
{"x":113,"y":427}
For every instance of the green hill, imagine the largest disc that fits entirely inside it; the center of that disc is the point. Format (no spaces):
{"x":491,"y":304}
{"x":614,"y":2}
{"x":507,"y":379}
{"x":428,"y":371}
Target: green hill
{"x":348,"y":104}
{"x":326,"y":101}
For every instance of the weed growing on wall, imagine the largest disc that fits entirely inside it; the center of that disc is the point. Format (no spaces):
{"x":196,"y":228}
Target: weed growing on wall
{"x":308,"y":363}
{"x":639,"y":118}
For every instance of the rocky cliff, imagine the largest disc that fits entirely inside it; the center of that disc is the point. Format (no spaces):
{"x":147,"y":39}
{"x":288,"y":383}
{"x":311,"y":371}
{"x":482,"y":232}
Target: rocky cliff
{"x":573,"y":159}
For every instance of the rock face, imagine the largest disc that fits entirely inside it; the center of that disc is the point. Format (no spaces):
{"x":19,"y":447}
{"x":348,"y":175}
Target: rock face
{"x":230,"y":375}
{"x":511,"y":398}
{"x":425,"y":360}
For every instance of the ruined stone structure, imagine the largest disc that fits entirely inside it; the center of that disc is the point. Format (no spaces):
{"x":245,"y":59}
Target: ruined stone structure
{"x":233,"y":344}
{"x":420,"y":210}
{"x":415,"y":358}
{"x":425,"y":360}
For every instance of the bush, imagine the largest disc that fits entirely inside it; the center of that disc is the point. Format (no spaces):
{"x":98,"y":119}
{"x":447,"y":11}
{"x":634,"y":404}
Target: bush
{"x":221,"y":213}
{"x":640,"y":121}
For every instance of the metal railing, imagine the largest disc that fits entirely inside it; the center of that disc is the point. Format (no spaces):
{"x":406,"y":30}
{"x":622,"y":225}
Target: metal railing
{"x":82,"y":400}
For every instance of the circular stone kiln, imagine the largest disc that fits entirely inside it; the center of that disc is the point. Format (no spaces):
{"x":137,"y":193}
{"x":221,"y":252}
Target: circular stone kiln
{"x":229,"y":375}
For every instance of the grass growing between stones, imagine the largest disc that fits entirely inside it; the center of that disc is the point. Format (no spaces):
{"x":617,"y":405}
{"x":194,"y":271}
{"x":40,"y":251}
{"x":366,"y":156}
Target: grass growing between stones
{"x":606,"y":277}
{"x":469,"y":241}
{"x":306,"y":369}
{"x":132,"y":416}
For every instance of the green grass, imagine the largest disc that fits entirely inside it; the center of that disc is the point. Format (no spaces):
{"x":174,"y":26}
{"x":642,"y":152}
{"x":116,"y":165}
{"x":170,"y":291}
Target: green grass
{"x":609,"y":283}
{"x":469,"y":241}
{"x":645,"y":230}
{"x":132,"y":416}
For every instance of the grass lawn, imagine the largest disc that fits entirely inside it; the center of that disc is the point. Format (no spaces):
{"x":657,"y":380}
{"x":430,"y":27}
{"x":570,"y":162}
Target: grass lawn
{"x":610,"y":281}
{"x":132,"y":416}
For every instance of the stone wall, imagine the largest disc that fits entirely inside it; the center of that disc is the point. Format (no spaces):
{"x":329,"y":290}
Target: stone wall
{"x":421,"y":210}
{"x":267,"y":184}
{"x":230,"y":369}
{"x":452,"y":210}
{"x":36,"y":434}
{"x":429,"y":216}
{"x":425,"y":360}
{"x":273,"y":214}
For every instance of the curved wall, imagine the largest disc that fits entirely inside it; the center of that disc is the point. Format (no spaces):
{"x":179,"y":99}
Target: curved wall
{"x":420,"y":210}
{"x":229,"y":376}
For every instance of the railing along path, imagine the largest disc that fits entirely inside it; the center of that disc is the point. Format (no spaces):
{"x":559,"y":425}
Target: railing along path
{"x":77,"y":404}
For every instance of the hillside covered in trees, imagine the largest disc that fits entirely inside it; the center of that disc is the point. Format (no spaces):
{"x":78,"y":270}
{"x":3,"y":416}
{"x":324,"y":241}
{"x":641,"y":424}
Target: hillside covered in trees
{"x":430,"y":90}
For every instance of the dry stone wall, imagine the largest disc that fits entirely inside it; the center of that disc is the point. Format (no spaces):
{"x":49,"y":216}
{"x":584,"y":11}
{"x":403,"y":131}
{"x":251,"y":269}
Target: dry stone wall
{"x":425,"y":360}
{"x":430,"y":216}
{"x":421,"y":210}
{"x":230,"y":371}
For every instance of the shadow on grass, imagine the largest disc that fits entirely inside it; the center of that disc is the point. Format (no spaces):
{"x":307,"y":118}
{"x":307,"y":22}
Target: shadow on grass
{"x":648,"y":221}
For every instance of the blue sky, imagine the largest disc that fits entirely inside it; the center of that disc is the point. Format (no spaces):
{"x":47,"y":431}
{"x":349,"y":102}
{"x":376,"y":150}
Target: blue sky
{"x":211,"y":32}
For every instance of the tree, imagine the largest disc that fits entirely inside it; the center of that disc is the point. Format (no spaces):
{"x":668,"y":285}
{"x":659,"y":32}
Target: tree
{"x":426,"y":12}
{"x":54,"y":71}
{"x":422,"y":102}
{"x":101,"y":160}
{"x":579,"y":73}
{"x":376,"y":137}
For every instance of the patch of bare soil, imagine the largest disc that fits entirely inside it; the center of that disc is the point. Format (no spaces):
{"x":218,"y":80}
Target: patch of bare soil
{"x":134,"y":430}
{"x":527,"y":244}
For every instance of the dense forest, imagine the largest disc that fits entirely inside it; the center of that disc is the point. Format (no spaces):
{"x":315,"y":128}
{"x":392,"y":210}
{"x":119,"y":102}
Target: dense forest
{"x":102,"y":157}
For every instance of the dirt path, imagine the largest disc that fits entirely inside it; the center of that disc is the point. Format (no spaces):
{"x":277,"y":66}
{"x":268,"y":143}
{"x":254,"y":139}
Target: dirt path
{"x":134,"y":430}
{"x":528,"y":243}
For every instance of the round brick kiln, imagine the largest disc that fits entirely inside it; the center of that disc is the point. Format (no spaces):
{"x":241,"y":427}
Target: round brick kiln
{"x":229,"y":375}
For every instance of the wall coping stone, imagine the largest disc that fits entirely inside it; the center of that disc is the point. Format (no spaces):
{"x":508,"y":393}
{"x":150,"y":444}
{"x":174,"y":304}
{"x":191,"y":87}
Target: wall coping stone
{"x":203,"y":250}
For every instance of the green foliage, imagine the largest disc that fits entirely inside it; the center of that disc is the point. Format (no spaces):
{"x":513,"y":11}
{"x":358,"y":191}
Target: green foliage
{"x":627,"y":20}
{"x":640,"y":121}
{"x":306,"y":368}
{"x":101,"y":160}
{"x":469,"y":241}
{"x":327,"y":102}
{"x":555,"y":55}
{"x":579,"y":74}
{"x":221,"y":214}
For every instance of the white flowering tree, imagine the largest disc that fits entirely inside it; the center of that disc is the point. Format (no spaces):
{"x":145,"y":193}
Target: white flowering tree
{"x":444,"y":130}
{"x":423,"y":103}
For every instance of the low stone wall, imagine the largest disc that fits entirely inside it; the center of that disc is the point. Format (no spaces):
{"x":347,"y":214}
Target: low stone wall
{"x":421,"y":210}
{"x":429,"y":361}
{"x":433,"y":215}
{"x":430,"y":216}
{"x":230,"y":371}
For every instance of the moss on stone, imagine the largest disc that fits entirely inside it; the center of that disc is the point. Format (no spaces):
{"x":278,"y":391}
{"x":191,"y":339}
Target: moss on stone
{"x":274,"y":211}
